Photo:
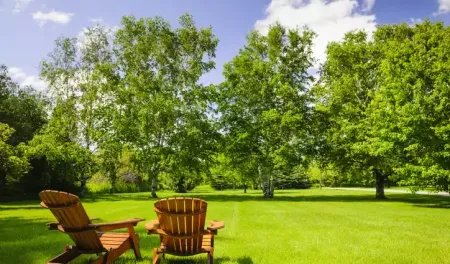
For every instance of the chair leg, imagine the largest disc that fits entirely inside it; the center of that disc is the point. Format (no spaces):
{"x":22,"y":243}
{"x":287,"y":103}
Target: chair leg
{"x":69,"y":254}
{"x":156,"y":259}
{"x":135,"y":243}
{"x":102,"y":259}
{"x":136,"y":249}
{"x":211,"y":256}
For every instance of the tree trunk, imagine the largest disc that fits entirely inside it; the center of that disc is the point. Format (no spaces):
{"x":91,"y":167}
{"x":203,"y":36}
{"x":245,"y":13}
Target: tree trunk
{"x":445,"y":185}
{"x":245,"y":187}
{"x":154,"y":182}
{"x":2,"y":183}
{"x":379,"y":178}
{"x":320,"y":183}
{"x":83,"y":186}
{"x":266,"y":182}
{"x":113,"y":183}
{"x":181,"y":186}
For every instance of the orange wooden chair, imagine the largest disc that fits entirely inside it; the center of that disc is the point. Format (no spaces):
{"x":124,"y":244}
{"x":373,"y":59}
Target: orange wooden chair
{"x":180,"y":226}
{"x":88,"y":237}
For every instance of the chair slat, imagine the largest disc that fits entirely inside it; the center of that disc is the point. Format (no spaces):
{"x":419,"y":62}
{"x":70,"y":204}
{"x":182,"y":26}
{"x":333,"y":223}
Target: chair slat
{"x":196,"y":226}
{"x":181,"y":219}
{"x":189,"y":223}
{"x":182,"y":216}
{"x":70,"y":213}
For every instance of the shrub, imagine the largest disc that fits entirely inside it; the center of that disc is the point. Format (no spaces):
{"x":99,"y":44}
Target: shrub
{"x":219,"y":183}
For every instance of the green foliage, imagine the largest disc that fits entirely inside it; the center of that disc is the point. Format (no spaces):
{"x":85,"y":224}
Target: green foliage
{"x":220,"y":183}
{"x":22,"y":114}
{"x":382,"y":106}
{"x":296,"y":179}
{"x":163,"y":106}
{"x":98,"y":185}
{"x":22,"y":108}
{"x":12,"y":163}
{"x":76,"y":71}
{"x":264,"y":102}
{"x":55,"y":164}
{"x":128,"y":108}
{"x":348,"y":84}
{"x":411,"y":108}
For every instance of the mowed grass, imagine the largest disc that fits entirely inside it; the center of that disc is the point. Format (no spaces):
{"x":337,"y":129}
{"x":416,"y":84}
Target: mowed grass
{"x":297,"y":226}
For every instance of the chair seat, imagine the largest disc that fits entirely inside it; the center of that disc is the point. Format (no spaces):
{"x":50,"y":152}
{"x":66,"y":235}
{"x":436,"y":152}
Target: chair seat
{"x":206,"y":246}
{"x":112,"y":241}
{"x":206,"y":243}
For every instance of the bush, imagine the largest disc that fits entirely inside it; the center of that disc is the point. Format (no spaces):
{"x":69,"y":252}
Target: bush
{"x":128,"y":182}
{"x":98,"y":187}
{"x":180,"y":182}
{"x":219,"y":183}
{"x":291,"y":182}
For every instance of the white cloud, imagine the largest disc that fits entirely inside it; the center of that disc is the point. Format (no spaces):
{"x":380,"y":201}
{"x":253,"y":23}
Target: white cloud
{"x":20,"y":5}
{"x":96,"y":20}
{"x":53,"y":16}
{"x":444,"y":7}
{"x":330,"y":19}
{"x":413,"y":21}
{"x":18,"y":75}
{"x":367,"y":5}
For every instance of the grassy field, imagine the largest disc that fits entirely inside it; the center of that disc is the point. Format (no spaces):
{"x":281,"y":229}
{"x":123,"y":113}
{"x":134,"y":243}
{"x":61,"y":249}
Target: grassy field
{"x":297,"y":226}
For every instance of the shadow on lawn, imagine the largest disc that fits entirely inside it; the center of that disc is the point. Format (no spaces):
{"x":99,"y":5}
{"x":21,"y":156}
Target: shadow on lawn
{"x":201,"y":259}
{"x":24,"y":241}
{"x":29,"y":241}
{"x":29,"y":207}
{"x":428,"y":201}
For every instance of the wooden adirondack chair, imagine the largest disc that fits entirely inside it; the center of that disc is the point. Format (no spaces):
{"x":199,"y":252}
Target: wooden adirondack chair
{"x":180,"y":225}
{"x":88,"y":237}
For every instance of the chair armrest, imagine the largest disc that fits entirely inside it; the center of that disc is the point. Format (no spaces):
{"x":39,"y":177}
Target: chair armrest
{"x":152,"y":225}
{"x":94,"y":219}
{"x":116,"y":225}
{"x":216,"y":225}
{"x":52,"y":226}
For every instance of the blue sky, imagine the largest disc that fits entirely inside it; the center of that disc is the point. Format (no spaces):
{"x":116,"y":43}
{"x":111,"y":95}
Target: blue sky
{"x":29,"y":27}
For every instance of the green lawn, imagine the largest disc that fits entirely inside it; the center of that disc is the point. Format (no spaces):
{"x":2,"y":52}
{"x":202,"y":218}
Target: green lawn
{"x":297,"y":226}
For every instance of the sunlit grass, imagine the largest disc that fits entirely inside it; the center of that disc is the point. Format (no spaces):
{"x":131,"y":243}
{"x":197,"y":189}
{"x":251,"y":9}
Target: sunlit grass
{"x":298,"y":226}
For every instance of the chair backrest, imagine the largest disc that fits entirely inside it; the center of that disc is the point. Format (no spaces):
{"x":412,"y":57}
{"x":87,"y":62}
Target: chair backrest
{"x":183,"y":219}
{"x":69,"y":212}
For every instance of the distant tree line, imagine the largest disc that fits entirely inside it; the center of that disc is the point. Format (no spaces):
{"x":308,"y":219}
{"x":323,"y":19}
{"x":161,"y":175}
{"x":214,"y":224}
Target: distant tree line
{"x":125,"y":111}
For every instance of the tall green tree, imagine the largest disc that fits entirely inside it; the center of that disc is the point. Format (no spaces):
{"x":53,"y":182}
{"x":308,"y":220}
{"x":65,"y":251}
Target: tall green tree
{"x":264,"y":101}
{"x":22,"y":115}
{"x":77,"y":73}
{"x":12,"y":163}
{"x":22,"y":108}
{"x":163,"y":107}
{"x":411,"y":108}
{"x":349,"y":81}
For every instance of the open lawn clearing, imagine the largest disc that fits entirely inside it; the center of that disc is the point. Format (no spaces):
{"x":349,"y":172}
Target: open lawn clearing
{"x":297,"y":226}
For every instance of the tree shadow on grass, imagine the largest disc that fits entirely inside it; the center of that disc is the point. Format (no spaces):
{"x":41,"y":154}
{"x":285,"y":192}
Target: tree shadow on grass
{"x":218,"y":197}
{"x":28,"y":241}
{"x":23,"y":207}
{"x":202,"y":259}
{"x":428,"y":201}
{"x":439,"y":205}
